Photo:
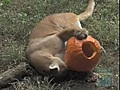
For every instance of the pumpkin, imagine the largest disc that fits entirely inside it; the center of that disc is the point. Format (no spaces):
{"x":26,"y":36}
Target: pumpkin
{"x":82,"y":55}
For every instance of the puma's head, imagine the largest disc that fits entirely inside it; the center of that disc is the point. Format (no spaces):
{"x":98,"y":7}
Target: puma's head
{"x":57,"y":68}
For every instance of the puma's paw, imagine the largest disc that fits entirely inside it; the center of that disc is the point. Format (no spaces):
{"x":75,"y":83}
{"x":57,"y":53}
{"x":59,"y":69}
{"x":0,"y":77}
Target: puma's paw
{"x":80,"y":35}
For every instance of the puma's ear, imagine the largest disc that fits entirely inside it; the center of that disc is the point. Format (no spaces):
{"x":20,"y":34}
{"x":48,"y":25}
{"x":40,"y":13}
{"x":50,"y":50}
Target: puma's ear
{"x":54,"y":67}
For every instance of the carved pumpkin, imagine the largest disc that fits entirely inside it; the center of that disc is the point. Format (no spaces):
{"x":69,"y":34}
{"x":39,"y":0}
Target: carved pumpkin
{"x":82,"y":55}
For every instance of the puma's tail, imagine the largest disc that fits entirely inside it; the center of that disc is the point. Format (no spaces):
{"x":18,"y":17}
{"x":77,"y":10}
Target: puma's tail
{"x":88,"y":11}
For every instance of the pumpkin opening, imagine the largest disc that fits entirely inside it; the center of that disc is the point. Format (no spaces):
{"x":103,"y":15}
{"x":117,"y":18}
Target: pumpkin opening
{"x":89,"y":50}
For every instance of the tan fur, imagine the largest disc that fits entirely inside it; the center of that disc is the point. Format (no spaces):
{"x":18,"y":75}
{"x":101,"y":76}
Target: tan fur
{"x":46,"y":46}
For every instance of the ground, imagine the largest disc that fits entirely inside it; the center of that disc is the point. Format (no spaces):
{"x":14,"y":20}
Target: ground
{"x":18,"y":17}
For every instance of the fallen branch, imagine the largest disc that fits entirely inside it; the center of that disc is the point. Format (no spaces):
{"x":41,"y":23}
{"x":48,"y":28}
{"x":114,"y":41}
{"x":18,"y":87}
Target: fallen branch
{"x":11,"y":74}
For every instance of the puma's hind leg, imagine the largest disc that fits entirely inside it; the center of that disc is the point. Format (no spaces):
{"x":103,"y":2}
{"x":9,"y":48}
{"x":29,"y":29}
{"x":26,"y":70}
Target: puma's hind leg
{"x":47,"y":64}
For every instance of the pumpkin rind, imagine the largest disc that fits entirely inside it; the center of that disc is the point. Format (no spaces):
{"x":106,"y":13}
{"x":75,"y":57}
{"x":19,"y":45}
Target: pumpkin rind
{"x":82,"y":55}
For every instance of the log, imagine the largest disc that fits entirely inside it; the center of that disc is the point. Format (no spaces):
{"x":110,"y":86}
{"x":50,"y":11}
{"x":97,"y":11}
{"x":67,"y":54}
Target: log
{"x":13,"y":74}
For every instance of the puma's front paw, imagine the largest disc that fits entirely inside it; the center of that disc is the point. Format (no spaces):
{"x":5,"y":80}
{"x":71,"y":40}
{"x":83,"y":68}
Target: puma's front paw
{"x":81,"y":34}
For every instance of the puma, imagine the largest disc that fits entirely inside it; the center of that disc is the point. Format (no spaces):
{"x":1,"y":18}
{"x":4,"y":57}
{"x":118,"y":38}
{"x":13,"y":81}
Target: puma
{"x":46,"y":47}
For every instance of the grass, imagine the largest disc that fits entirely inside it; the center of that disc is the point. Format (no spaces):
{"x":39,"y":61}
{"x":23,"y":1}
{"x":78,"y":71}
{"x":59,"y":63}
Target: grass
{"x":18,"y":17}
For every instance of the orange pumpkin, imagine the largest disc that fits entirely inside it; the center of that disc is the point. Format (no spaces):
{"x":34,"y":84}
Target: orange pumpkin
{"x":82,"y":55}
